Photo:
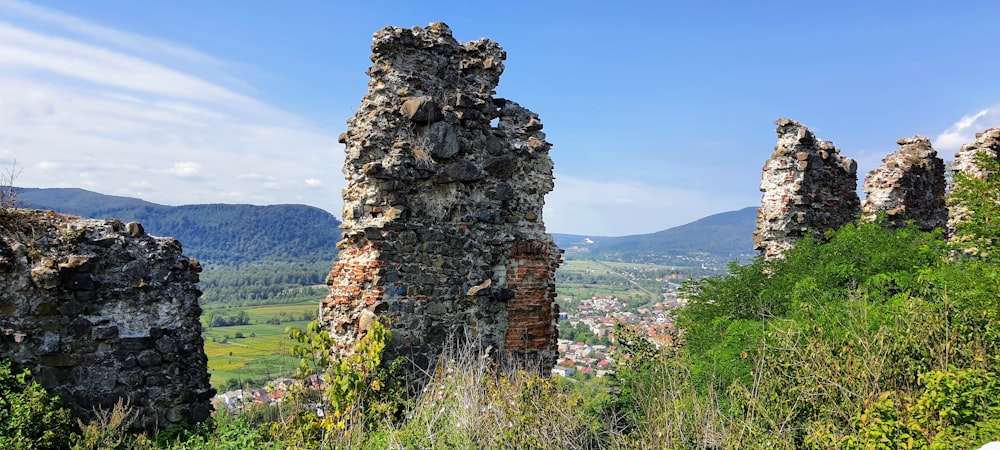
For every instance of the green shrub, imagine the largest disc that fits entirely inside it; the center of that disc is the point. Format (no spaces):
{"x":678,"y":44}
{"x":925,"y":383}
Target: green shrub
{"x":30,"y":418}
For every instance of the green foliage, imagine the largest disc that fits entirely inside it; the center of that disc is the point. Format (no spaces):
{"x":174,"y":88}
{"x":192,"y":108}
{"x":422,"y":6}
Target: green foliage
{"x":954,"y":409}
{"x":580,"y":333}
{"x":109,"y":430}
{"x":470,"y":403}
{"x":30,"y":418}
{"x":977,"y":200}
{"x":222,"y":432}
{"x":219,"y":320}
{"x":263,"y":283}
{"x":727,"y":318}
{"x":362,"y":390}
{"x":871,"y":339}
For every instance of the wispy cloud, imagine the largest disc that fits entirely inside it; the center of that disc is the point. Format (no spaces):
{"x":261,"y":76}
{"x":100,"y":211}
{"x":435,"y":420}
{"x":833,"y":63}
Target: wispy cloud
{"x":137,"y":42}
{"x":964,"y":131}
{"x":83,"y":105}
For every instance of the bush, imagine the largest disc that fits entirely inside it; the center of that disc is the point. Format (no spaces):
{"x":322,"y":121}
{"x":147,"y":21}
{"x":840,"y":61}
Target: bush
{"x":30,"y":418}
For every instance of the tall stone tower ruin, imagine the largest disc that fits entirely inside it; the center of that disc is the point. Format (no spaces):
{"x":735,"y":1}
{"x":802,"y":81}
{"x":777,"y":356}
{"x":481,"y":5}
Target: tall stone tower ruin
{"x":443,"y":231}
{"x":808,"y":188}
{"x":909,"y":185}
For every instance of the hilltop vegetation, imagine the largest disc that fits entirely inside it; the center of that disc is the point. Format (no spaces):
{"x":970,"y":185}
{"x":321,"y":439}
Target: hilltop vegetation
{"x":869,"y":338}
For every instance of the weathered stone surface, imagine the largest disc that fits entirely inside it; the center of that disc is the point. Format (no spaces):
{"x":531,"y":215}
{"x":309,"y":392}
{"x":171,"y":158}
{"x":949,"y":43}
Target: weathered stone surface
{"x":422,"y":109}
{"x":909,"y":185}
{"x":443,"y":234}
{"x":443,"y":139}
{"x":808,"y":188}
{"x":95,"y":307}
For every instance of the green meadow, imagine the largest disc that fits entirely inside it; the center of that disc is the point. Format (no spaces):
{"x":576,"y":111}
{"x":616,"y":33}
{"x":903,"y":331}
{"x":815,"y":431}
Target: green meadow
{"x":257,"y":352}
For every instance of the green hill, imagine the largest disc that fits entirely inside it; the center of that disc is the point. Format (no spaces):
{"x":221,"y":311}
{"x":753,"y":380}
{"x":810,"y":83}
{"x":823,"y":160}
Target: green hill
{"x":715,"y":239}
{"x":213,"y":233}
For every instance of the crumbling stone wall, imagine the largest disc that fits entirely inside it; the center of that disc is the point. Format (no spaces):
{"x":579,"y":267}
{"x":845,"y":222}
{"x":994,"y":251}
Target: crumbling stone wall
{"x":100,"y":311}
{"x":808,"y":188}
{"x":443,"y":230}
{"x":909,"y":185}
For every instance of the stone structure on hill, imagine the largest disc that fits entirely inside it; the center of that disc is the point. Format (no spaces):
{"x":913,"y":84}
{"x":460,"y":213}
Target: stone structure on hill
{"x":808,"y":188}
{"x":909,"y":185}
{"x":443,"y":232}
{"x":100,"y":311}
{"x":987,"y":142}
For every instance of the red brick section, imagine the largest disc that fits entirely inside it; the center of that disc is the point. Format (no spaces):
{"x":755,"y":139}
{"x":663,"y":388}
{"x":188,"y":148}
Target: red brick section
{"x":532,"y":313}
{"x":354,"y":278}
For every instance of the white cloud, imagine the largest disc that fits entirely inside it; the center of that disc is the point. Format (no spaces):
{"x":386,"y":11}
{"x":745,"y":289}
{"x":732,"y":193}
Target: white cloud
{"x":617,"y":208}
{"x":186,"y":170}
{"x":29,"y":52}
{"x":83,"y":105}
{"x":964,"y":131}
{"x":46,"y":165}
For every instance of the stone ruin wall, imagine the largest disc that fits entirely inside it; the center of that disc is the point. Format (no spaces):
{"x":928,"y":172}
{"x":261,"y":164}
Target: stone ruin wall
{"x":100,"y":311}
{"x":808,"y":188}
{"x":987,"y":142}
{"x":909,"y":185}
{"x":443,"y":230}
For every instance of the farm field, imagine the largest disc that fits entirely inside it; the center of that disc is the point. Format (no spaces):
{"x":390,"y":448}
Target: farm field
{"x":583,"y":279}
{"x":263,"y":352}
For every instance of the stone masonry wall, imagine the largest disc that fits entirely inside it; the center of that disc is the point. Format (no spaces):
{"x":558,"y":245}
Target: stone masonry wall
{"x":909,"y":185}
{"x":100,"y":311}
{"x":443,"y":230}
{"x":808,"y":187}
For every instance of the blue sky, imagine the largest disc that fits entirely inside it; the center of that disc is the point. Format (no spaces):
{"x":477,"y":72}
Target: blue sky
{"x":660,"y":112}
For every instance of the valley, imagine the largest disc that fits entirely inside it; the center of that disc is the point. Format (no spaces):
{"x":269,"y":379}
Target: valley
{"x":264,"y":269}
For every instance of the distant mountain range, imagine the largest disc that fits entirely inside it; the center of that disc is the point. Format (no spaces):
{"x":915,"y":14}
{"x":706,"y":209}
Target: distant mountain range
{"x":213,"y":233}
{"x":715,"y":239}
{"x":230,"y":234}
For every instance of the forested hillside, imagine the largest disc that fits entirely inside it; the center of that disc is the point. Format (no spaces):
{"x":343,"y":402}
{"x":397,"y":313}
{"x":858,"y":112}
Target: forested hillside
{"x":251,"y":254}
{"x":217,"y":234}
